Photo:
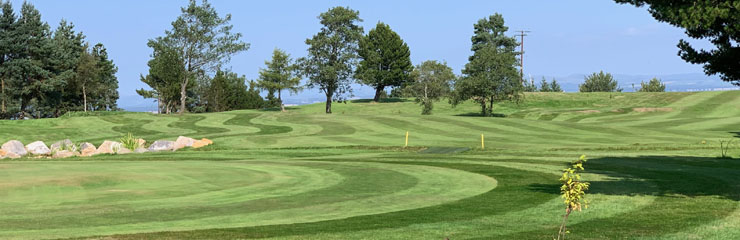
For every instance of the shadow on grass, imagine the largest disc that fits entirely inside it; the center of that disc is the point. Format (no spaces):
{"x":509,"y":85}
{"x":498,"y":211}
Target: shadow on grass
{"x":277,"y":109}
{"x":688,"y":192}
{"x":382,"y":100}
{"x":477,"y":114}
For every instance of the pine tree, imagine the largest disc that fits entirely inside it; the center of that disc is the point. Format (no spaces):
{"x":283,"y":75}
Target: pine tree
{"x":7,"y":48}
{"x":386,"y":60}
{"x":279,"y":75}
{"x":64,"y":59}
{"x":107,"y":86}
{"x":491,"y":74}
{"x":31,"y":76}
{"x":544,"y":86}
{"x":555,"y":86}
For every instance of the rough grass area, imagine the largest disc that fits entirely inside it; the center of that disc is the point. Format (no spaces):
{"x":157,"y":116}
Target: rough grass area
{"x":307,"y":175}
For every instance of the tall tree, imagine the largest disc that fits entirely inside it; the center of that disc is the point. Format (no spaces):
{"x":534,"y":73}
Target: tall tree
{"x":107,"y":82}
{"x":30,"y":68}
{"x":86,"y":75}
{"x":204,"y":40}
{"x":600,"y":82}
{"x":555,"y":86}
{"x":7,"y":47}
{"x":166,"y":71}
{"x":279,"y":75}
{"x":716,"y":20}
{"x":68,"y":45}
{"x":491,"y":74}
{"x":544,"y":86}
{"x":432,"y":81}
{"x":332,"y":53}
{"x":386,"y":60}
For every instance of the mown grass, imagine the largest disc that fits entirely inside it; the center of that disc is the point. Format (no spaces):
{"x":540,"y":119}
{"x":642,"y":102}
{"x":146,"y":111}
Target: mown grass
{"x":307,"y":175}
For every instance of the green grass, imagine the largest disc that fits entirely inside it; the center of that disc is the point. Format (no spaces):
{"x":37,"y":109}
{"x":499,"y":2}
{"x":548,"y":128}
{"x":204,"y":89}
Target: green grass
{"x":307,"y":175}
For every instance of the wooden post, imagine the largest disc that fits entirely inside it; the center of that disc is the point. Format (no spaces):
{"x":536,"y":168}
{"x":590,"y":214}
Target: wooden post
{"x":482,"y":142}
{"x":407,"y":139}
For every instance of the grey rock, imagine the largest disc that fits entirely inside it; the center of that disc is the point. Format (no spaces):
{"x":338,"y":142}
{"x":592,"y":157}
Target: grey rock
{"x":65,"y":144}
{"x":38,"y":148}
{"x":141,"y":150}
{"x":16,"y":147}
{"x":64,"y":154}
{"x":162,"y":145}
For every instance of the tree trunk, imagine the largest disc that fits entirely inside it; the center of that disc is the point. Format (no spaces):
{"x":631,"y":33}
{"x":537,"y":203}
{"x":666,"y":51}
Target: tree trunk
{"x":84,"y":98}
{"x":2,"y":85}
{"x":328,"y":103}
{"x":159,"y":104}
{"x":491,"y":108}
{"x":183,"y":95}
{"x":378,"y":90}
{"x":280,"y":99}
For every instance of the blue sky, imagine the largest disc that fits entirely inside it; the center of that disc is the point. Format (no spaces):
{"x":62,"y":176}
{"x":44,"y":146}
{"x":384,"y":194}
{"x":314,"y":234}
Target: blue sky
{"x":568,"y":37}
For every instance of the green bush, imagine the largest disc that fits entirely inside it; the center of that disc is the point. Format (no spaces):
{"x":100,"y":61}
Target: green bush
{"x":130,"y":142}
{"x":600,"y":82}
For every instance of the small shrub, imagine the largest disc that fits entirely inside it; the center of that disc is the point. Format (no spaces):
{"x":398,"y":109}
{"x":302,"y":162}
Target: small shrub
{"x":573,"y":192}
{"x":130,"y":142}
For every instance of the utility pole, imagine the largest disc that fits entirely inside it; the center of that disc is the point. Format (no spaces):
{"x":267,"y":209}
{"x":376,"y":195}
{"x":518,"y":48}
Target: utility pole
{"x":522,"y":33}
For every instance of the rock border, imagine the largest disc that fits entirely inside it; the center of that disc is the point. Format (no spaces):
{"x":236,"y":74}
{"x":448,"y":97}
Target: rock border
{"x":14,"y":149}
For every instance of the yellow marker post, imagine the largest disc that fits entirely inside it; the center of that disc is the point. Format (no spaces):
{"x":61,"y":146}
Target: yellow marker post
{"x":482,"y":142}
{"x":407,"y":139}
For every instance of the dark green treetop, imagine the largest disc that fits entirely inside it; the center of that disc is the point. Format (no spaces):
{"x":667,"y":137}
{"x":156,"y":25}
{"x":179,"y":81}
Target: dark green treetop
{"x":386,"y":60}
{"x":332,"y":54}
{"x":715,"y":20}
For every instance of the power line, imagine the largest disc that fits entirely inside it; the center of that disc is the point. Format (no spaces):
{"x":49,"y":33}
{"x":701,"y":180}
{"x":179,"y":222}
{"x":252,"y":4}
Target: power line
{"x":522,"y":33}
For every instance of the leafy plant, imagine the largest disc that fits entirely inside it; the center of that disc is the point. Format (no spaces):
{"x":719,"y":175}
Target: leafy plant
{"x":573,"y":192}
{"x":130,"y":142}
{"x":724,"y":147}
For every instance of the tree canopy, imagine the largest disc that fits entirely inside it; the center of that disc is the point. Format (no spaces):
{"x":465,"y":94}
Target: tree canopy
{"x":431,"y":81}
{"x":715,"y":20}
{"x":279,"y":75}
{"x":654,"y":85}
{"x":45,"y":73}
{"x":204,"y":41}
{"x":600,"y":82}
{"x":332,"y":54}
{"x":491,"y":74}
{"x":386,"y":60}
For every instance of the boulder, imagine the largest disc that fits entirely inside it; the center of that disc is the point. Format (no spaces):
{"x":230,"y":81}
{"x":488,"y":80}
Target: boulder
{"x":12,"y":155}
{"x":15,"y":147}
{"x":141,"y":141}
{"x":38,"y":148}
{"x":162,"y":145}
{"x":64,"y":154}
{"x":87,"y":149}
{"x":202,"y":143}
{"x":183,"y":142}
{"x":3,"y":153}
{"x":207,"y":141}
{"x":141,"y":150}
{"x":124,"y":150}
{"x":109,"y":147}
{"x":65,"y":144}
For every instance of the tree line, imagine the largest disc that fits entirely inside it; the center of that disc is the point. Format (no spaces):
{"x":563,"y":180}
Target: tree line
{"x":45,"y":73}
{"x":187,"y":71}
